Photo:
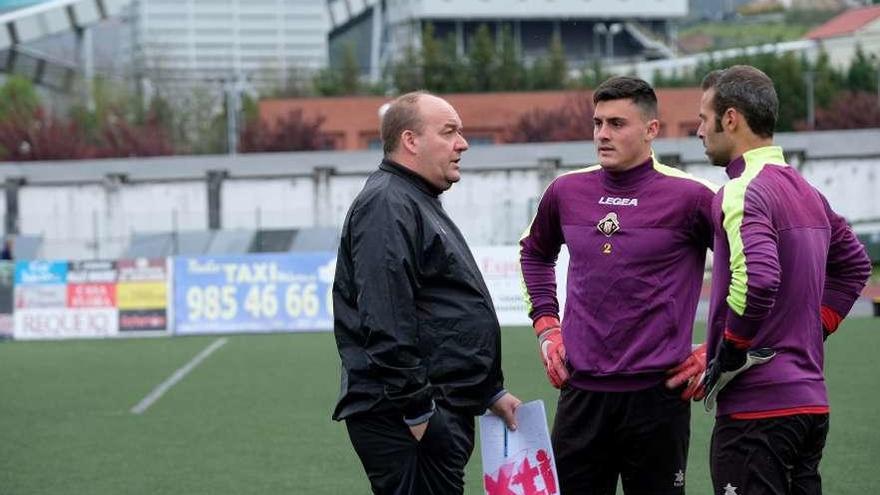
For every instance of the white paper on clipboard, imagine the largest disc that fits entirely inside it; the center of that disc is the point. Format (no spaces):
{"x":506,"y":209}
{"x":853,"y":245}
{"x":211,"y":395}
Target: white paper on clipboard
{"x":518,"y":462}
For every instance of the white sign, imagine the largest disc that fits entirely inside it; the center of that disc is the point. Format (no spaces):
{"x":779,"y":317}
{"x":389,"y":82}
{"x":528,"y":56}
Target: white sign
{"x":40,"y":296}
{"x":64,"y":323}
{"x":501,"y":271}
{"x":518,"y":462}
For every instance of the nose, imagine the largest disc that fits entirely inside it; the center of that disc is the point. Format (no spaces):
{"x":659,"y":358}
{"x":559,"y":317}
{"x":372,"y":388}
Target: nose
{"x":462,"y":144}
{"x":700,"y":132}
{"x":601,"y":132}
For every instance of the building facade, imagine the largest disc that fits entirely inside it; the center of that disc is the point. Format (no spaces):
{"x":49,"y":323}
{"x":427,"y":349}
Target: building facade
{"x":381,"y":30}
{"x":257,"y":40}
{"x":352,"y":122}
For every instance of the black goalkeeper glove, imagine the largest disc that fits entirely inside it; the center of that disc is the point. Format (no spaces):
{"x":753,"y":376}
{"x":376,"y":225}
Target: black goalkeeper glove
{"x":730,"y":360}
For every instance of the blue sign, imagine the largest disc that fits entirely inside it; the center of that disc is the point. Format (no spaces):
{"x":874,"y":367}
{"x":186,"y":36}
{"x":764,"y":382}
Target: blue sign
{"x":40,"y":272}
{"x":253,"y":293}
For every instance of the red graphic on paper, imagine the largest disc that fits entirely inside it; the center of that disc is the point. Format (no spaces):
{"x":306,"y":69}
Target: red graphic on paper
{"x":523,"y":475}
{"x":91,"y":295}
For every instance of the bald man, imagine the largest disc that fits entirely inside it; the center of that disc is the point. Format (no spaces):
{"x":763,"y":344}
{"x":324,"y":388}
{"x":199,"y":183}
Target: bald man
{"x":415,"y":326}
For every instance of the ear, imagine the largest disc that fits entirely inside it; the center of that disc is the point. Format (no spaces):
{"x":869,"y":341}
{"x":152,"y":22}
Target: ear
{"x":653,"y":130}
{"x":408,"y":140}
{"x":731,"y":119}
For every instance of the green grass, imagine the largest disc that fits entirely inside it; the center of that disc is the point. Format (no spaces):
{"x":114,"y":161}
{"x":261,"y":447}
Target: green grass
{"x":254,"y":418}
{"x":737,"y":34}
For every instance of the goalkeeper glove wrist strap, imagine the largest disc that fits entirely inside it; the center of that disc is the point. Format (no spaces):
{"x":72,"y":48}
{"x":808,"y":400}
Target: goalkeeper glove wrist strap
{"x":737,"y":341}
{"x":545,"y":324}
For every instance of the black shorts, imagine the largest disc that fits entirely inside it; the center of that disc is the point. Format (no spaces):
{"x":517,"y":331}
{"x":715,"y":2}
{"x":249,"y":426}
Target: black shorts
{"x":398,"y":464}
{"x":774,"y":456}
{"x":641,"y":436}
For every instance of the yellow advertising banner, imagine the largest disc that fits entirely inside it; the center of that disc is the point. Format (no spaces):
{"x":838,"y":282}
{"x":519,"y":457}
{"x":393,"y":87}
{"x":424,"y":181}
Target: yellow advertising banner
{"x":141,"y":295}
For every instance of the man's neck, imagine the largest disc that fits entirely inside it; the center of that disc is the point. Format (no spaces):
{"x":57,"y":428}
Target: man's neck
{"x":750,"y":143}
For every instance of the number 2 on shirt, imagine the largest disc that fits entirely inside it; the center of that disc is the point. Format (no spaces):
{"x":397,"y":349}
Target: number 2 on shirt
{"x":606,"y":248}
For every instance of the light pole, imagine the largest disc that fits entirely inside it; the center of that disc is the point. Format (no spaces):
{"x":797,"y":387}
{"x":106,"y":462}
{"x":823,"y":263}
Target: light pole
{"x":613,"y":29}
{"x":810,"y":80}
{"x":598,"y":30}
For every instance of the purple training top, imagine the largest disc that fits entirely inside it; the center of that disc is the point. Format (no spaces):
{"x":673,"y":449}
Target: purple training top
{"x":637,"y":242}
{"x":780,"y":253}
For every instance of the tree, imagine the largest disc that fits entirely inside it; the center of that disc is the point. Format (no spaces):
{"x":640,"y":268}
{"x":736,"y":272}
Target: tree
{"x":849,"y":110}
{"x":828,"y":82}
{"x":558,"y":67}
{"x":291,"y":133}
{"x":440,"y":68}
{"x":343,"y":80}
{"x":350,"y":73}
{"x":111,"y":129}
{"x":405,"y":73}
{"x":41,"y":137}
{"x":550,"y":72}
{"x":120,"y":138}
{"x":18,"y":98}
{"x":573,"y":121}
{"x":481,"y":60}
{"x":592,"y":76}
{"x":862,"y":74}
{"x":510,"y":72}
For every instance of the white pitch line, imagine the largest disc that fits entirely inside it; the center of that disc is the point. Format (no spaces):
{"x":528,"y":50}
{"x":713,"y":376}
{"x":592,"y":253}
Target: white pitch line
{"x":178,"y":375}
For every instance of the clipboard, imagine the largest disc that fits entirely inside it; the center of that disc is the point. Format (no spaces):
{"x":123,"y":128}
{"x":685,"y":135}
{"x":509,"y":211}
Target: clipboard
{"x":518,"y":462}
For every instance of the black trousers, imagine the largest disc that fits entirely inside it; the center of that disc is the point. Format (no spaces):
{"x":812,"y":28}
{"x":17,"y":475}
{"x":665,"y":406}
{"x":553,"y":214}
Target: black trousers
{"x":774,"y":456}
{"x":398,"y":464}
{"x":641,"y":437}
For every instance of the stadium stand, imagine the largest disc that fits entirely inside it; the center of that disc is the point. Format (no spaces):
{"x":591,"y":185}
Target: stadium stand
{"x":26,"y":247}
{"x":230,"y":241}
{"x":315,"y":239}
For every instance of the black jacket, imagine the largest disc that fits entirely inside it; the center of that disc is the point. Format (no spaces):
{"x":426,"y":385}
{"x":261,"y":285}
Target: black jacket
{"x":413,"y":317}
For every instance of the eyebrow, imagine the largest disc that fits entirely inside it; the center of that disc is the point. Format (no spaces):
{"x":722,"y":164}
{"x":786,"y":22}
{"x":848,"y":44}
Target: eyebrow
{"x":613,"y":117}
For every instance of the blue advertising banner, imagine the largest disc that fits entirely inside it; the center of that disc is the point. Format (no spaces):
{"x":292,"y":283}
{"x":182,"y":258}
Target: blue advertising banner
{"x":40,"y":272}
{"x":253,"y":293}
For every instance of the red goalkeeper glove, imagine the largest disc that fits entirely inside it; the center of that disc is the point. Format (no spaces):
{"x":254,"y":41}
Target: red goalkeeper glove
{"x":830,"y":321}
{"x":552,"y":350}
{"x":690,"y":371}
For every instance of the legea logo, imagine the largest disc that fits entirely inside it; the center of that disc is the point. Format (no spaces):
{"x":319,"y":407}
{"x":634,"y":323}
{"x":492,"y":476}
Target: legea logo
{"x":610,"y":200}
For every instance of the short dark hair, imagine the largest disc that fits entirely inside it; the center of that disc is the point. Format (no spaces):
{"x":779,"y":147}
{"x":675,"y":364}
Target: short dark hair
{"x":625,"y":87}
{"x":750,"y":92}
{"x":402,"y":114}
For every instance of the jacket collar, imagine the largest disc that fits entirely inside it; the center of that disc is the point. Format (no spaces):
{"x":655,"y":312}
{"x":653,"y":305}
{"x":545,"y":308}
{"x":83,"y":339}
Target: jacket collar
{"x":632,"y":177}
{"x":414,"y":178}
{"x":754,"y":159}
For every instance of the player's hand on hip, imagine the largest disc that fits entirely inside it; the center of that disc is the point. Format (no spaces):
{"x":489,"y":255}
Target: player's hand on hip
{"x":418,"y":431}
{"x":552,"y":349}
{"x":731,"y":360}
{"x":505,"y":408}
{"x":690,"y":371}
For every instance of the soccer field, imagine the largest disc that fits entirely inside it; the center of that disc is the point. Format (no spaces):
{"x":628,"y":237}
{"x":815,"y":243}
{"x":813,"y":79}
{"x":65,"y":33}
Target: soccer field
{"x":254,"y":416}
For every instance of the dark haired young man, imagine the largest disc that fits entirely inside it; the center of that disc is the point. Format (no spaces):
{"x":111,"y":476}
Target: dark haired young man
{"x":637,"y":233}
{"x":787,"y":269}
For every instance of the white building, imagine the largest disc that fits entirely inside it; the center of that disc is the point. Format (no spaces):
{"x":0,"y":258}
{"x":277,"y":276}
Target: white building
{"x":225,"y":39}
{"x":842,"y":35}
{"x":380,"y":30}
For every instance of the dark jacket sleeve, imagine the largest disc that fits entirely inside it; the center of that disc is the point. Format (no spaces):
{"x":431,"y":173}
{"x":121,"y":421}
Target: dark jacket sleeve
{"x":384,"y":250}
{"x":848,"y":267}
{"x":539,"y":248}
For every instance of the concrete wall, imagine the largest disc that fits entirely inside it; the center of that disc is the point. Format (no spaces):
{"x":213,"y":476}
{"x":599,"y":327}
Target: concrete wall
{"x":86,"y":215}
